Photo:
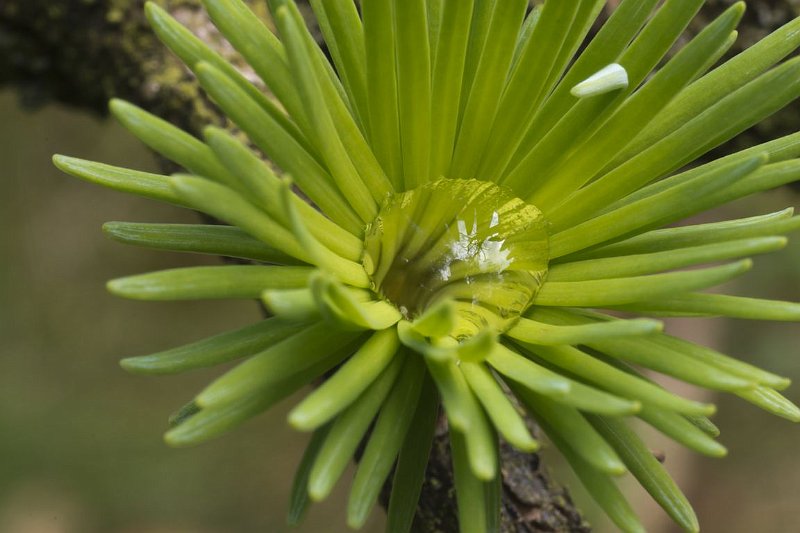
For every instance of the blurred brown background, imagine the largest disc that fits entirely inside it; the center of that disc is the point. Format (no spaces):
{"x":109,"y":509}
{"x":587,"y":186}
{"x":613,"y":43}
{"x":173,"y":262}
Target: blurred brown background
{"x":80,"y":440}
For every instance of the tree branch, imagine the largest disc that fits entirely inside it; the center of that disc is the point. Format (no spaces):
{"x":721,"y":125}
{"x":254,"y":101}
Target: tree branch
{"x":531,"y":501}
{"x":82,"y":53}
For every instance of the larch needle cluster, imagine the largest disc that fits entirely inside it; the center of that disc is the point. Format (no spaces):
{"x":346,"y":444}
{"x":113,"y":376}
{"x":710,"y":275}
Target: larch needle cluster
{"x":469,"y":211}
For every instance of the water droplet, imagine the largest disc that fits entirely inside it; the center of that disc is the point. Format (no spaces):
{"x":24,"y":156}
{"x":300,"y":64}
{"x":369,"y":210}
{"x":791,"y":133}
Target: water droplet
{"x":465,"y":240}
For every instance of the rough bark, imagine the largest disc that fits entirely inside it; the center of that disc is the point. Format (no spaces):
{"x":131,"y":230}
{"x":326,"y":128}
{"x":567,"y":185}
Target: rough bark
{"x":81,"y":53}
{"x":531,"y":501}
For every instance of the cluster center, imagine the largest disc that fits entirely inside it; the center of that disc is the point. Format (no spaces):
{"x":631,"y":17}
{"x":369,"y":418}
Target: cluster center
{"x":468,"y":241}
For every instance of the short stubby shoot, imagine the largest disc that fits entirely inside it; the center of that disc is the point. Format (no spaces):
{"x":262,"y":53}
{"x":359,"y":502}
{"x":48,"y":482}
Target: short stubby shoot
{"x":468,"y":241}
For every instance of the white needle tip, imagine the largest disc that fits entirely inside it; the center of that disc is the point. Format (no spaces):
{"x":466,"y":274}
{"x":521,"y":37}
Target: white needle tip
{"x":607,"y":79}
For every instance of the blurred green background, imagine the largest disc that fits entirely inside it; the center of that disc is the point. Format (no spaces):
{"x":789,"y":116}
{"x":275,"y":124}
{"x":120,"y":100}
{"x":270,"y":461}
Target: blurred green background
{"x":80,"y":440}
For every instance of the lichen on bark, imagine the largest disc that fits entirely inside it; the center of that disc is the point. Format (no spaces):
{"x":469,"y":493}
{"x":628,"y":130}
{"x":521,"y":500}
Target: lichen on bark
{"x":82,"y":53}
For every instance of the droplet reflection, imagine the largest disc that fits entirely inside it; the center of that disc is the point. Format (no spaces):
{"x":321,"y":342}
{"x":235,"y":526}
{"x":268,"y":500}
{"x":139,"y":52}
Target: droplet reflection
{"x":465,"y":240}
